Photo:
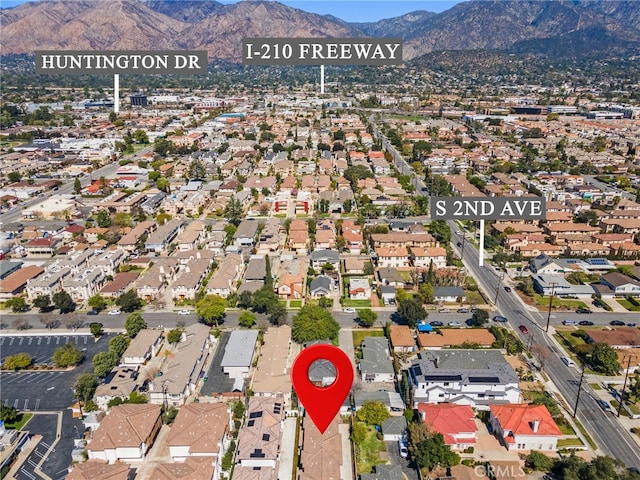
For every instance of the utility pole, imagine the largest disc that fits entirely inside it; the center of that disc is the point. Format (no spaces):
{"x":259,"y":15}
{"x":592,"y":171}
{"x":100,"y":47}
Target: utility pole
{"x":624,"y":385}
{"x":495,"y":300}
{"x":553,"y":286}
{"x":575,"y":409}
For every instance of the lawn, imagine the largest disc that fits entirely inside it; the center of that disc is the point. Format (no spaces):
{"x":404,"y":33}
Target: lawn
{"x":474,"y":298}
{"x":368,"y":452}
{"x":359,"y":335}
{"x":347,"y":302}
{"x":628,"y":305}
{"x":295,"y":304}
{"x":595,"y":386}
{"x":23,"y":418}
{"x":559,"y":303}
{"x":569,"y":442}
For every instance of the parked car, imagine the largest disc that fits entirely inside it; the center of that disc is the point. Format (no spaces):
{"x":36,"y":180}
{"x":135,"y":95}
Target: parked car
{"x":569,"y":322}
{"x":631,"y":324}
{"x":349,"y":310}
{"x":524,"y":329}
{"x":616,"y":323}
{"x":444,"y":310}
{"x":568,"y":362}
{"x":500,"y":318}
{"x":463,"y":310}
{"x":585,"y":323}
{"x":454,"y":324}
{"x":402,"y":446}
{"x":185,"y":312}
{"x":583,"y":310}
{"x":436,"y":323}
{"x":114,"y":312}
{"x":93,"y":312}
{"x":507,"y":289}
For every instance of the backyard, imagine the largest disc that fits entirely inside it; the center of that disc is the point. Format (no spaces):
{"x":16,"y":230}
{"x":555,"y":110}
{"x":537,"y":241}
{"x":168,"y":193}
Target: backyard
{"x":368,"y":451}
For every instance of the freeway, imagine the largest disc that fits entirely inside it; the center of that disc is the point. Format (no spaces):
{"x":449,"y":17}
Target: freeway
{"x":612,"y":439}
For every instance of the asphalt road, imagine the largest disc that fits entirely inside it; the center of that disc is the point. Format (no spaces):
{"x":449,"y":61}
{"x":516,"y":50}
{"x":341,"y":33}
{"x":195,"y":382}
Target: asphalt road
{"x":15,"y":214}
{"x":606,"y":431}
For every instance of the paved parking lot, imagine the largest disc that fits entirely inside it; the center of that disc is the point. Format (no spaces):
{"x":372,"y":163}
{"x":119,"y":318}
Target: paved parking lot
{"x":40,"y":347}
{"x":49,"y":394}
{"x":217,"y":380}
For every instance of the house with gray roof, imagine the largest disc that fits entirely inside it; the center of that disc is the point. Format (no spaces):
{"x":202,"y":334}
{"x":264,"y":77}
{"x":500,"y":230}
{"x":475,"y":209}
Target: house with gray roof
{"x":545,"y":284}
{"x":239,"y":352}
{"x":394,"y":428}
{"x":448,"y":294}
{"x":390,"y":399}
{"x":321,"y":286}
{"x":466,"y":377}
{"x":245,"y":235}
{"x":319,"y":258}
{"x":376,"y":365}
{"x":384,"y":472}
{"x":184,"y":369}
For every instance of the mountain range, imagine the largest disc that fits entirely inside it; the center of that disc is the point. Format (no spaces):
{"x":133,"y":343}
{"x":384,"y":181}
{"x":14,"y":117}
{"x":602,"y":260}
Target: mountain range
{"x":557,"y":29}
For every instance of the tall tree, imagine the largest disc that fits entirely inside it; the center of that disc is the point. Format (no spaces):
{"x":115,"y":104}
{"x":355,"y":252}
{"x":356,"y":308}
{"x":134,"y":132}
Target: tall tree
{"x":129,"y":301}
{"x":234,"y":211}
{"x":133,"y":324}
{"x":63,"y":301}
{"x":412,"y":311}
{"x":85,"y":386}
{"x":211,"y":309}
{"x":77,"y":186}
{"x":313,"y":322}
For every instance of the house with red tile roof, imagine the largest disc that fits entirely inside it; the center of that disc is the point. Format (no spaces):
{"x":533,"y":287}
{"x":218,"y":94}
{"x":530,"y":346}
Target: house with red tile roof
{"x":455,"y":423}
{"x":522,"y":426}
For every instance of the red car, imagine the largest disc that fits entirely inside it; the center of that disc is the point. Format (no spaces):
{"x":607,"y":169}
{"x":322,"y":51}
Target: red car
{"x":524,"y":329}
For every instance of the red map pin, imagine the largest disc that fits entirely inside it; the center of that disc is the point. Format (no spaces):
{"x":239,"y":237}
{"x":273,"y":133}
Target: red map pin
{"x":322,"y":403}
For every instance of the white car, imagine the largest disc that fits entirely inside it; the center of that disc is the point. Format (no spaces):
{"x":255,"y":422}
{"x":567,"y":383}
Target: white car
{"x":349,"y":310}
{"x":185,"y":312}
{"x":114,"y":312}
{"x":454,"y":324}
{"x":444,"y":310}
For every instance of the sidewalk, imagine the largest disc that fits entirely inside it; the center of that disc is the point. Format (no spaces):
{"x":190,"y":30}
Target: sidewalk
{"x":23,"y":455}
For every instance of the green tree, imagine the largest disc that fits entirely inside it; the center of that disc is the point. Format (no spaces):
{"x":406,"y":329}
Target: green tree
{"x":277,"y":314}
{"x":63,"y":301}
{"x":96,"y":329}
{"x":313,"y":322}
{"x":357,"y":172}
{"x":43,"y":302}
{"x":211,"y":309}
{"x":426,"y":293}
{"x":103,"y":219}
{"x":136,"y":397}
{"x":604,"y":359}
{"x":238,"y":410}
{"x":347,"y":206}
{"x":174,"y":335}
{"x":104,"y":362}
{"x":538,"y":461}
{"x":77,"y":186}
{"x":196,"y":170}
{"x":140,"y":136}
{"x":367,"y":317}
{"x":264,"y":300}
{"x":479,"y":318}
{"x":8,"y":414}
{"x":134,"y":323}
{"x":17,"y":304}
{"x":14,"y":177}
{"x":85,"y":386}
{"x":429,"y":450}
{"x":358,"y":433}
{"x":129,"y":301}
{"x":245,"y":300}
{"x":67,"y":355}
{"x":441,"y":231}
{"x":247,"y":319}
{"x":19,"y":361}
{"x":373,"y":413}
{"x":119,"y":344}
{"x":97,"y":303}
{"x":169,"y":416}
{"x":412,"y":311}
{"x":233,"y":211}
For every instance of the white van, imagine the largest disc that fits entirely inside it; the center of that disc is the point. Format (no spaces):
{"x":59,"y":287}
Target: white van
{"x":568,"y":362}
{"x":402,"y":446}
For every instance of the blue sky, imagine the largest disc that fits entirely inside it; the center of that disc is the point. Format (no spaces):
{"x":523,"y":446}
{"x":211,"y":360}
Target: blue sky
{"x":349,"y":10}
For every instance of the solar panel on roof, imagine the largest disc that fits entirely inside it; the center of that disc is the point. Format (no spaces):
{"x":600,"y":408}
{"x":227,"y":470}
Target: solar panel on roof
{"x":484,"y":379}
{"x":255,"y":414}
{"x":598,"y":261}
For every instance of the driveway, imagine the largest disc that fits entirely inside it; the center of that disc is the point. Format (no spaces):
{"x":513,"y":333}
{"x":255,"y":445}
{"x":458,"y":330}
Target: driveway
{"x":393,"y":454}
{"x":217,"y":381}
